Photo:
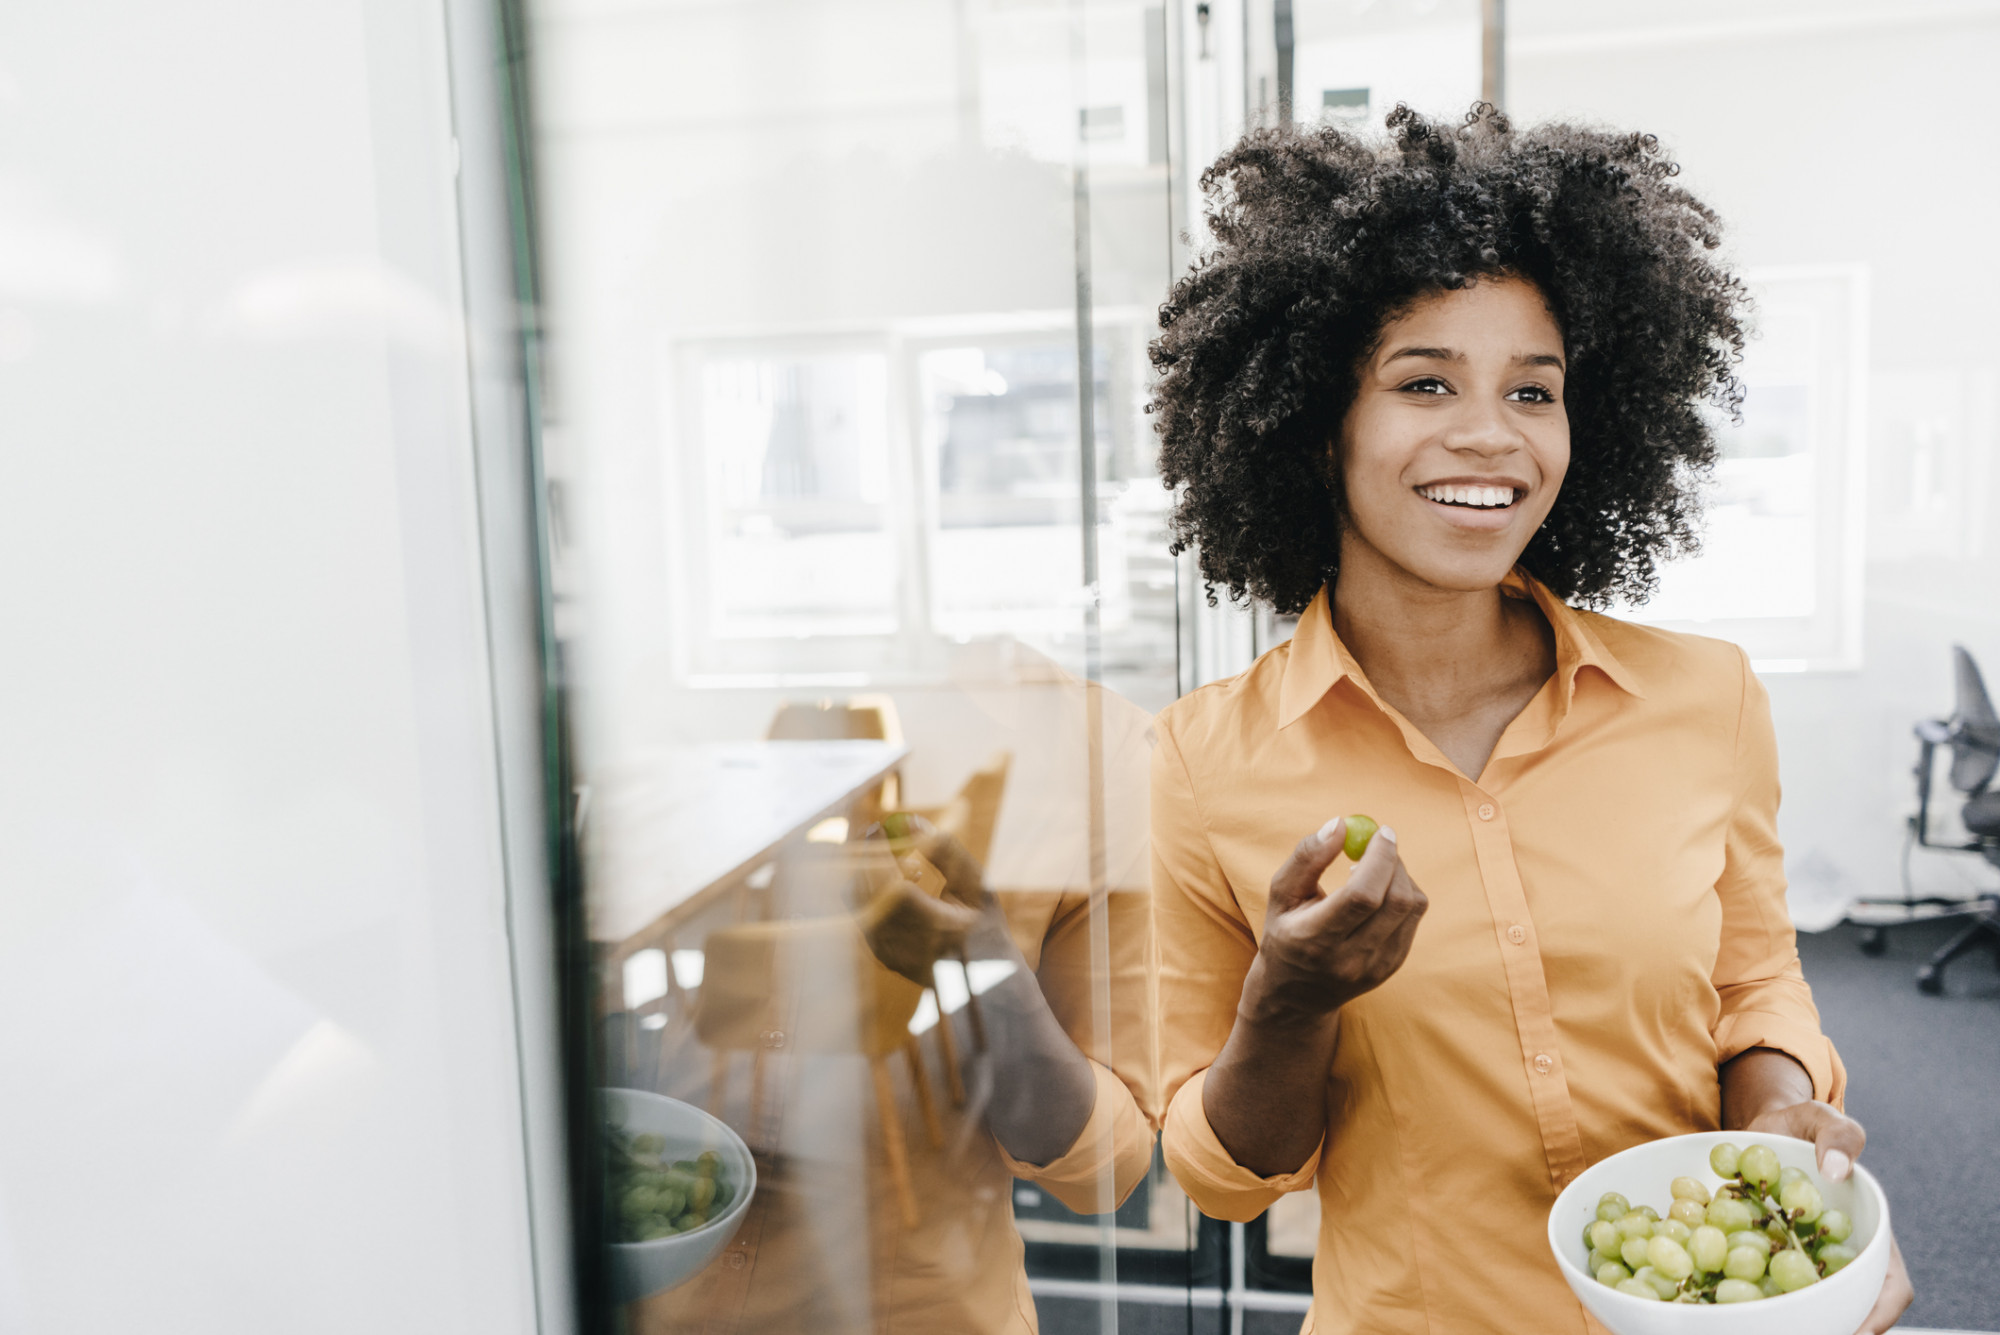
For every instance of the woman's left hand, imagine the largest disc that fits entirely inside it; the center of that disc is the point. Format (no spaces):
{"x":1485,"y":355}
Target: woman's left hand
{"x":1838,"y":1139}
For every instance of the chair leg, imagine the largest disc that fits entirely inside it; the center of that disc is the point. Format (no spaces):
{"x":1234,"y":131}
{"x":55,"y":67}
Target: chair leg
{"x":1983,"y":931}
{"x":954,"y":1084}
{"x":972,"y":1008}
{"x":753,"y":1129}
{"x":718,"y":1085}
{"x":892,"y":1140}
{"x":933,"y":1129}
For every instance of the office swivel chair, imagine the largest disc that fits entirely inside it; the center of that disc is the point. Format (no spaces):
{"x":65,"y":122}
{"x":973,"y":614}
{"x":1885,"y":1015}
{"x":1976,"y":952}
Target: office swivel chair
{"x":1973,"y":735}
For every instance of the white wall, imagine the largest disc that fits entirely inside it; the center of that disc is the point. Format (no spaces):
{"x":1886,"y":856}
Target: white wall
{"x":1842,"y":131}
{"x":258,"y":1011}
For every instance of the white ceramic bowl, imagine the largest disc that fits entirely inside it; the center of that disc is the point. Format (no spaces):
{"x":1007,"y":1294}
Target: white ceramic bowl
{"x":1643,"y":1174}
{"x":640,"y":1268}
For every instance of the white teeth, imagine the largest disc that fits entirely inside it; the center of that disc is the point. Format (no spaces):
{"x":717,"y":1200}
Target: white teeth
{"x":1483,"y":498}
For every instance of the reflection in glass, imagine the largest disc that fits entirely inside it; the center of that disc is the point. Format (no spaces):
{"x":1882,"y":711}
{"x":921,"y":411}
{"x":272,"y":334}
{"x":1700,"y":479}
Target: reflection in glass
{"x":797,"y":458}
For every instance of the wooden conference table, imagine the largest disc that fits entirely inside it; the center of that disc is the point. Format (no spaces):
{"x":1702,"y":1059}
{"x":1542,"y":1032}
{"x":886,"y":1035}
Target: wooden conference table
{"x":673,"y":829}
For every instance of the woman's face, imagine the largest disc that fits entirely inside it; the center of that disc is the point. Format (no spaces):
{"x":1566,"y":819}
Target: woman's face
{"x":1458,"y":439}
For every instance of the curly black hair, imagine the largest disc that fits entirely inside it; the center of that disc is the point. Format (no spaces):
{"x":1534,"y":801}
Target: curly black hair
{"x":1321,"y":238}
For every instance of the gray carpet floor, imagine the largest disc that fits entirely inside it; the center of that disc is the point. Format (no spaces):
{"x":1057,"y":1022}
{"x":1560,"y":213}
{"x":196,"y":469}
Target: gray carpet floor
{"x":1924,"y":1079}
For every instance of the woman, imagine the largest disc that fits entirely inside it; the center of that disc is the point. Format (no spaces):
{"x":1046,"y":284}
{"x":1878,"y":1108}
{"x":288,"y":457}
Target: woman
{"x":1424,"y":395}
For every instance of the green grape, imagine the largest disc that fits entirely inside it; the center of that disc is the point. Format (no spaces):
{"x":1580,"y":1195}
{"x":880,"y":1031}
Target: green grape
{"x":1611,"y":1205}
{"x":1669,"y":1258}
{"x":1673,"y":1228}
{"x":1768,"y":1287}
{"x":1751,"y":1237}
{"x":1633,"y":1251}
{"x":1793,"y":1271}
{"x":1600,"y":1259}
{"x":1652,"y":1215}
{"x":649,"y":1143}
{"x":702,"y":1194}
{"x":1610,"y":1273}
{"x":1835,"y":1257}
{"x":1360,"y":829}
{"x":708,"y":1163}
{"x":1708,"y":1248}
{"x":688,"y":1166}
{"x":1787,"y":1176}
{"x":1661,"y":1285}
{"x":1587,"y":1243}
{"x":656,"y":1227}
{"x":1737,"y":1291}
{"x":1632,"y":1224}
{"x":1743,"y":1263}
{"x":1730,"y":1214}
{"x":1637,"y":1288}
{"x":1605,"y":1236}
{"x":1759,"y":1165}
{"x":1691,"y":1213}
{"x":1688,"y":1189}
{"x":1836,"y":1225}
{"x":1723,"y":1159}
{"x":1801,"y":1200}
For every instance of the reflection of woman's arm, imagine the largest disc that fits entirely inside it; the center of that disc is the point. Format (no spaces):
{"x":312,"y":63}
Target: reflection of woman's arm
{"x":1043,"y":1087}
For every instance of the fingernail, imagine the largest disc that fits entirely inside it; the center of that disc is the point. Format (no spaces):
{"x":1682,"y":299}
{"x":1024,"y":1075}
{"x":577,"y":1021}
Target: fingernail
{"x":1386,"y":833}
{"x":1326,"y":830}
{"x":1836,"y":1166}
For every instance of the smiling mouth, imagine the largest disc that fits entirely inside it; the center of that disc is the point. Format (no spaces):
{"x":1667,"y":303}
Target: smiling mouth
{"x":1472,"y":498}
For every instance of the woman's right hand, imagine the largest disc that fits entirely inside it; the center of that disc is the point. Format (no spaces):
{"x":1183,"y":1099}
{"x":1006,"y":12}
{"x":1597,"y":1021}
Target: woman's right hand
{"x":1321,"y":951}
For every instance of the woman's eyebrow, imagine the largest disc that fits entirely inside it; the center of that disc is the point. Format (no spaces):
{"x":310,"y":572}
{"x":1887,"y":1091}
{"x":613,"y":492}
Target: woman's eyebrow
{"x":1540,"y":359}
{"x":1426,"y":354}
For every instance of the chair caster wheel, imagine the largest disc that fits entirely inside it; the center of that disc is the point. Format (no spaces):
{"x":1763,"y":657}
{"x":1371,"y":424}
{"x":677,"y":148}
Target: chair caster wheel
{"x":1930,"y":981}
{"x":1874,"y":941}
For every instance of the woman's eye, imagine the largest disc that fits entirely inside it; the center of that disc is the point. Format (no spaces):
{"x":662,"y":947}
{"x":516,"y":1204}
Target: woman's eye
{"x":1532,"y":394}
{"x":1427,"y":385}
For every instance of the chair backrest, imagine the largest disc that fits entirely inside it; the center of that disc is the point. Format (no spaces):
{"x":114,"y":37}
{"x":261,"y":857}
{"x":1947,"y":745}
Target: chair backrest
{"x":980,"y":802}
{"x":864,"y":717}
{"x":1975,"y":749}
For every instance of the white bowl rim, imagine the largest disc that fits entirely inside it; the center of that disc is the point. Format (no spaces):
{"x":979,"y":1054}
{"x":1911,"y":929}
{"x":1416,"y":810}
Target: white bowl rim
{"x":1867,"y":1181}
{"x":736,"y":1206}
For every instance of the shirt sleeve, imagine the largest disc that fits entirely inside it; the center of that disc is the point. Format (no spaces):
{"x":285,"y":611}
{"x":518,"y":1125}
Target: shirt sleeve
{"x":1206,"y":947}
{"x":1765,"y":1001}
{"x":1110,"y":1156}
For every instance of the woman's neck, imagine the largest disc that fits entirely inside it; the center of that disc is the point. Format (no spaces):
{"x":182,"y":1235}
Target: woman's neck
{"x":1459,"y":664}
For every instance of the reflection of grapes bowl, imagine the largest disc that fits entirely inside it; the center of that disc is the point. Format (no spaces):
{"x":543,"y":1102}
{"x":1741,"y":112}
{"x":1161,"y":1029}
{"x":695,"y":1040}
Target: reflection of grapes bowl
{"x":680,"y":1182}
{"x":1823,"y":1292}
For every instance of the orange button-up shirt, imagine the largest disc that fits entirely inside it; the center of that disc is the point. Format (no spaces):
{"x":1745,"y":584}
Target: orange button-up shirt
{"x":1607,"y":924}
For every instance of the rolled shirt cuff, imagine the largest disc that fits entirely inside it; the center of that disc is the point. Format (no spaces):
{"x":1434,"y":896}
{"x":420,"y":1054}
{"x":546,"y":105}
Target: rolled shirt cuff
{"x":1801,"y":1040}
{"x":1219,"y":1186}
{"x":1111,"y":1154}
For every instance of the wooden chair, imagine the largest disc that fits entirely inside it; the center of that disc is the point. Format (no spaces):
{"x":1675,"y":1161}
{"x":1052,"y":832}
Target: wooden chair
{"x":968,"y":817}
{"x":813,"y":987}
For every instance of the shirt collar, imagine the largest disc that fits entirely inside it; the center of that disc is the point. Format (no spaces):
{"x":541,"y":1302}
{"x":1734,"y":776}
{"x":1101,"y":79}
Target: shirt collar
{"x":1318,"y":660}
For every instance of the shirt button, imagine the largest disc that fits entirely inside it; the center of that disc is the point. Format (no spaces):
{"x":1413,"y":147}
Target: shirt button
{"x":1517,"y":934}
{"x":1486,"y":811}
{"x":1544,"y":1063}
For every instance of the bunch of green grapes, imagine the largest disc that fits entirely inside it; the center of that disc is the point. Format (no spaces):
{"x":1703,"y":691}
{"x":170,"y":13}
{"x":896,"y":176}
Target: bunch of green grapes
{"x":657,"y":1199}
{"x":1763,"y":1232}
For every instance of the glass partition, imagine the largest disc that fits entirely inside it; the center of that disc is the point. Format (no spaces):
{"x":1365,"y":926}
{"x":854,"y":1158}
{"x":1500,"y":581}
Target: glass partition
{"x":862,"y":567}
{"x":868,"y":605}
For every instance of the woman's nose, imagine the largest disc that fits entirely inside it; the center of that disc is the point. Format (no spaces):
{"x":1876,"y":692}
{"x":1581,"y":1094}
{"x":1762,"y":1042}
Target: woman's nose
{"x":1482,"y":429}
